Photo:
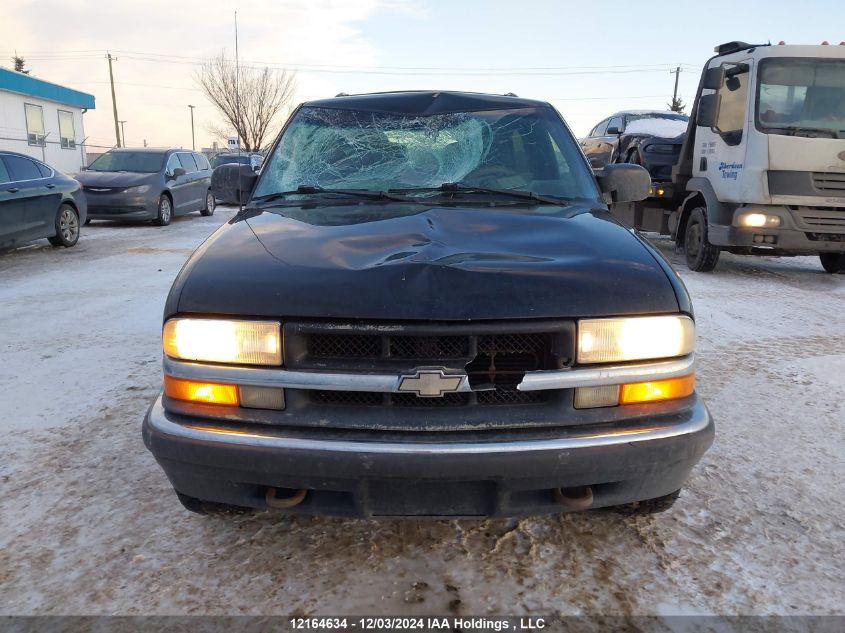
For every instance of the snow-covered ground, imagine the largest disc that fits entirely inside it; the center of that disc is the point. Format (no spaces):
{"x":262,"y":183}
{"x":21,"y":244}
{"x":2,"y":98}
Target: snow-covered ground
{"x":89,"y":524}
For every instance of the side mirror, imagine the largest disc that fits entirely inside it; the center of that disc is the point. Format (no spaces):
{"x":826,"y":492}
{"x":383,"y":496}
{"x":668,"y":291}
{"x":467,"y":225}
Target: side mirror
{"x":613,"y":131}
{"x":624,"y":182}
{"x":713,"y":78}
{"x":233,"y":182}
{"x":708,"y":106}
{"x":176,"y":173}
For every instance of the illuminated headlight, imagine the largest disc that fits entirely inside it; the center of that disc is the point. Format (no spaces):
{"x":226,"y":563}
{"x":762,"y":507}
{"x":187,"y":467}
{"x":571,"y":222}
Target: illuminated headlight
{"x":634,"y":338}
{"x":759,"y":220}
{"x":224,"y":341}
{"x":138,"y":189}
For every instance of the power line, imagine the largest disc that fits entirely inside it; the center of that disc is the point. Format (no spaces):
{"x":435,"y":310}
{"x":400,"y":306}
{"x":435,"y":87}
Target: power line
{"x":390,"y":70}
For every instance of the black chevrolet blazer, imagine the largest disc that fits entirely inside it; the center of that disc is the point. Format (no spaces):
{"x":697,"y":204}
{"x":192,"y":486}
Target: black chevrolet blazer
{"x":426,"y":309}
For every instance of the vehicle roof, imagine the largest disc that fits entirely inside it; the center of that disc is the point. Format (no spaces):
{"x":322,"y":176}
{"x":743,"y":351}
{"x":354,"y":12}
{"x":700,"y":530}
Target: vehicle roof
{"x":822,"y":51}
{"x":644,"y":112}
{"x":149,"y":150}
{"x":8,"y":151}
{"x":425,"y":102}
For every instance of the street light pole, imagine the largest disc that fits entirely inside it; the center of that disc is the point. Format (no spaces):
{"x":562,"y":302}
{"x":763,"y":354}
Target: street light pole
{"x":123,"y":132}
{"x":193,"y":142}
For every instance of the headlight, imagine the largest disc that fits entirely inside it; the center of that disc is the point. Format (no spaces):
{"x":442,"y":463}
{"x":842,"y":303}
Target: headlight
{"x":138,"y":189}
{"x":759,"y":220}
{"x":634,"y":338}
{"x":224,"y":341}
{"x":657,"y":148}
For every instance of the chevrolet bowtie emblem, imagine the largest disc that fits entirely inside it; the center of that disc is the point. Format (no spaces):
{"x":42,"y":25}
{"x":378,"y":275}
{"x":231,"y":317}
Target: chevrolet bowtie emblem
{"x":430,"y":383}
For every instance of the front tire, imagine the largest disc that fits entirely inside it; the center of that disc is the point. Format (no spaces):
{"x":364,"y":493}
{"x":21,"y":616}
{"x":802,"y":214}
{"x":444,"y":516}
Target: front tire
{"x":700,"y":254}
{"x":67,"y":227}
{"x":165,"y":211}
{"x":210,"y":204}
{"x":833,"y":262}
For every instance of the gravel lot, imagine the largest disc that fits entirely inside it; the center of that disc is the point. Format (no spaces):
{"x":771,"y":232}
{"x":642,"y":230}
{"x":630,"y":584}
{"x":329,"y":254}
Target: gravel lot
{"x":89,"y":524}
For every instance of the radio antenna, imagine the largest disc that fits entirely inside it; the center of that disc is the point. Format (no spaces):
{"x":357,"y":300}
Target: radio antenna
{"x":238,"y":109}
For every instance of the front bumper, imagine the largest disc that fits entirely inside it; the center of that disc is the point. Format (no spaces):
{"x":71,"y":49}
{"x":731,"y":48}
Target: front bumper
{"x":787,"y":241}
{"x":117,"y":206}
{"x":475,"y":474}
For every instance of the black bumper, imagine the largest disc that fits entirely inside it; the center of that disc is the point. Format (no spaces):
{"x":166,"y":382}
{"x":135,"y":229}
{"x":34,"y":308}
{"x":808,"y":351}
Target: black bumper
{"x":500,"y":474}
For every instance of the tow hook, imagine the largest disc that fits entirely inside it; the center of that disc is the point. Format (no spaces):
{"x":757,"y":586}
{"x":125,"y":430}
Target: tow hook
{"x":286,"y":502}
{"x":579,"y":498}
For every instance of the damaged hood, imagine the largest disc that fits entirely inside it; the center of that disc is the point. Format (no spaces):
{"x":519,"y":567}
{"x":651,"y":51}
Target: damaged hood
{"x":414,"y":262}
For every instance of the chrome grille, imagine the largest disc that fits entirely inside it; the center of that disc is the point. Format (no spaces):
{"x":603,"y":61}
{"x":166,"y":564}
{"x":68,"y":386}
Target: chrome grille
{"x":495,"y":357}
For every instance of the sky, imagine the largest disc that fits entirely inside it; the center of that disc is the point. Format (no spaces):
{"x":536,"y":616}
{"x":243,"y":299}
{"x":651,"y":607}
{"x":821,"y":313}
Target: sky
{"x":588,"y":59}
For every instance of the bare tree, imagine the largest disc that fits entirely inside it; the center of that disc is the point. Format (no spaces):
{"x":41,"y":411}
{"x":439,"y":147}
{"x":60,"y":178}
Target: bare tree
{"x":219,"y":133}
{"x":252,"y":101}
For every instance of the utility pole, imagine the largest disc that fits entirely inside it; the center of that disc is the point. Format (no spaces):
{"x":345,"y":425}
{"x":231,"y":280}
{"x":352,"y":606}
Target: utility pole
{"x":676,"y":105}
{"x":113,"y":98}
{"x":123,"y":132}
{"x":193,"y":141}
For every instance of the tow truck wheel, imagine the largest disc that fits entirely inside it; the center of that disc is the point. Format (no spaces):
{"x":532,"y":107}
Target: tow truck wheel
{"x":701,"y":255}
{"x":833,"y":262}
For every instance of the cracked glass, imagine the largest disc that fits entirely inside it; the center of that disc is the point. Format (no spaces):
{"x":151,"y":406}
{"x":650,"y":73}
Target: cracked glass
{"x":526,"y":149}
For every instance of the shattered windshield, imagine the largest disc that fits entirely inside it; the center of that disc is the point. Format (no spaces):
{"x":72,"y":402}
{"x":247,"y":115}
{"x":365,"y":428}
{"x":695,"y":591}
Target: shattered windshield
{"x":526,"y":149}
{"x":799,"y":95}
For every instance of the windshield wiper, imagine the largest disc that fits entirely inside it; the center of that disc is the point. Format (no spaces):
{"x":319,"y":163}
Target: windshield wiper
{"x":314,"y":190}
{"x":459,"y":187}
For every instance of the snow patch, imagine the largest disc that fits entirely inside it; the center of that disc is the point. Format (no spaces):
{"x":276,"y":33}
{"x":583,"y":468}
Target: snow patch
{"x":663,"y":128}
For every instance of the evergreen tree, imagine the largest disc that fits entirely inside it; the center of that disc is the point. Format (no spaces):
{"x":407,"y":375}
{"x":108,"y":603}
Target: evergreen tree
{"x":20,"y":64}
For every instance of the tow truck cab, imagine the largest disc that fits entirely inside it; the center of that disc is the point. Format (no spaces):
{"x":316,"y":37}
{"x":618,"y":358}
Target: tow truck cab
{"x":762,"y":169}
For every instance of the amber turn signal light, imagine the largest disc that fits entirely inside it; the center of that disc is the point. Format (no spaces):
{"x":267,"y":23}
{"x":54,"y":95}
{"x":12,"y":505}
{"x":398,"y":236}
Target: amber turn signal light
{"x":206,"y":392}
{"x":657,"y":390}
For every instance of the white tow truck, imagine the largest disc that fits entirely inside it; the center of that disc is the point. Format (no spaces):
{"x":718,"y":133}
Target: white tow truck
{"x":762,"y":169}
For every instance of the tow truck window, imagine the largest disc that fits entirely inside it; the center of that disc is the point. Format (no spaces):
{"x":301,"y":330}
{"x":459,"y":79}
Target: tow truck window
{"x":802,"y":97}
{"x":733,"y":94}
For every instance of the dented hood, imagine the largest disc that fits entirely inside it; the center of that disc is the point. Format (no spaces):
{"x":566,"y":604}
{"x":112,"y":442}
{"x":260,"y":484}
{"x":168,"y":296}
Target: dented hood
{"x":413,"y":262}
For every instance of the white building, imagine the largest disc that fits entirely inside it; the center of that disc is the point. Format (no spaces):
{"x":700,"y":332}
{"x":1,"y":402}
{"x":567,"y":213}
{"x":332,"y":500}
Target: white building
{"x":43,"y":120}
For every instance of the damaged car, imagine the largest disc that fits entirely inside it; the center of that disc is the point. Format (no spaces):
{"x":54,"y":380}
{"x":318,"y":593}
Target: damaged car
{"x":425,"y":308}
{"x":650,"y":138}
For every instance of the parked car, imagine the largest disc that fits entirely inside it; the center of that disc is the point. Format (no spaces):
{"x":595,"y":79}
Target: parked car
{"x":652,"y":139}
{"x":252,"y":159}
{"x":147,"y":184}
{"x":426,"y":309}
{"x":36,"y":201}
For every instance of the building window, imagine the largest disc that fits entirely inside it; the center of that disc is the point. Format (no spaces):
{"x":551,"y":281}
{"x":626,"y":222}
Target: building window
{"x":66,"y":132}
{"x":34,"y":124}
